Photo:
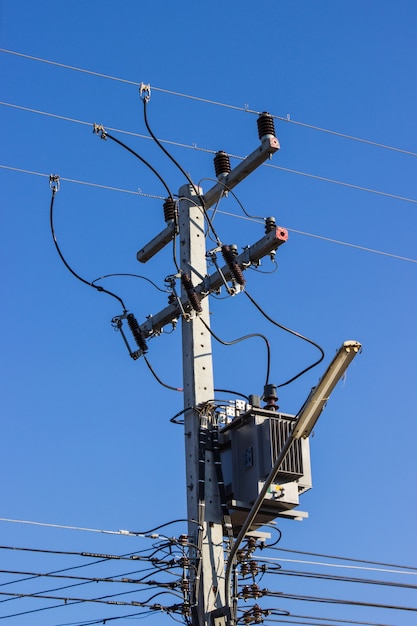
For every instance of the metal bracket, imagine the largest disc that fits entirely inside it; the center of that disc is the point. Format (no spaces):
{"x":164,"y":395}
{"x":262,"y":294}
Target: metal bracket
{"x":145,"y":91}
{"x":54,"y":182}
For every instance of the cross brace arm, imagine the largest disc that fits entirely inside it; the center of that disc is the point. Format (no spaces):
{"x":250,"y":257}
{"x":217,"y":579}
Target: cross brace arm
{"x":252,"y":254}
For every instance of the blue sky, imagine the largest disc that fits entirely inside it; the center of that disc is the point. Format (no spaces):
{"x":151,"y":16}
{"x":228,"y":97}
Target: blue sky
{"x":86,"y":439}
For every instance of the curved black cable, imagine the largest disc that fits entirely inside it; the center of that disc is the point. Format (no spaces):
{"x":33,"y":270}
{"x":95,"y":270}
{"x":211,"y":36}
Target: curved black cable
{"x":133,"y":276}
{"x":226,"y":188}
{"x":158,"y":379}
{"x":231,"y":343}
{"x":183,"y":172}
{"x":292,"y":332}
{"x":144,"y":161}
{"x":86,"y":282}
{"x":233,"y":393}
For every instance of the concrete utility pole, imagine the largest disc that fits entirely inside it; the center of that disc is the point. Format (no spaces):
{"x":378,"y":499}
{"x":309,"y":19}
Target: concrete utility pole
{"x":204,"y":506}
{"x":203,"y":499}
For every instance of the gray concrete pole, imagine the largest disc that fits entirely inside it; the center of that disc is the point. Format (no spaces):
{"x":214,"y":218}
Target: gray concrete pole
{"x":203,"y":500}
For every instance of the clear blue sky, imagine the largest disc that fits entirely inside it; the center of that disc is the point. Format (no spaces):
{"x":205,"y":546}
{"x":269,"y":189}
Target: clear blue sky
{"x":86,"y":439}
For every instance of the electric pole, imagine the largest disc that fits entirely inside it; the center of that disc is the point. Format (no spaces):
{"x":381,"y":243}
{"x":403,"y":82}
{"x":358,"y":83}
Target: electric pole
{"x":204,"y":506}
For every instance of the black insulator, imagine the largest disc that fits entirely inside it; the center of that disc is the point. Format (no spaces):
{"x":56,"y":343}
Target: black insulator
{"x":266,"y":127}
{"x":270,"y":397}
{"x":193,"y":298}
{"x":170,"y":210}
{"x":270,"y":224}
{"x":136,"y":332}
{"x":229,"y":253}
{"x":222,"y":164}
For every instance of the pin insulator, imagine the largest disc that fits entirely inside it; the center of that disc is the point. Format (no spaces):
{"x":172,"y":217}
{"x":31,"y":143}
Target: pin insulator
{"x":170,"y":210}
{"x":222,"y":164}
{"x":270,"y":224}
{"x":266,"y":126}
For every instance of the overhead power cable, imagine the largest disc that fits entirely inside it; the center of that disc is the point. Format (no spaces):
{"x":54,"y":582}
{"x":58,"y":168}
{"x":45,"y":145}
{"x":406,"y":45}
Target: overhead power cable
{"x":244,"y":109}
{"x":234,"y":215}
{"x":344,"y":558}
{"x":234,"y":156}
{"x":66,"y":527}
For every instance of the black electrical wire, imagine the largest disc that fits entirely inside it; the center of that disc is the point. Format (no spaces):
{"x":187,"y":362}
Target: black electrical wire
{"x":250,"y":336}
{"x":133,"y":276}
{"x":228,"y":190}
{"x":323,"y":620}
{"x":344,"y":579}
{"x":184,"y":173}
{"x":158,"y":379}
{"x":375,"y":605}
{"x":106,"y":135}
{"x":292,"y":332}
{"x":233,"y":393}
{"x":86,"y":282}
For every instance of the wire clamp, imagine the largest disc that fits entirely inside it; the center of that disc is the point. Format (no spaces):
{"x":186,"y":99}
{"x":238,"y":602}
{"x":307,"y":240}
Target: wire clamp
{"x":98,"y":129}
{"x":54,"y":182}
{"x":145,"y":92}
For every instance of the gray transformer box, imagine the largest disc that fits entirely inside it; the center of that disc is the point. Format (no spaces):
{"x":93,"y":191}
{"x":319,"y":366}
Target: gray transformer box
{"x":250,"y":445}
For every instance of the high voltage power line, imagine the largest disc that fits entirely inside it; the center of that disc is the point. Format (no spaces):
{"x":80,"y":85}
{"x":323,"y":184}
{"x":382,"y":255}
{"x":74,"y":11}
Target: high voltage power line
{"x":233,"y":215}
{"x":244,"y":109}
{"x":213,"y":152}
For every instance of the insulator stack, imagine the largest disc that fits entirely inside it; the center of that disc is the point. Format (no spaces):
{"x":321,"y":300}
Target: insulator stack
{"x":244,"y":569}
{"x":257,"y":614}
{"x":136,"y":332}
{"x":170,"y":210}
{"x":266,"y":126}
{"x":254,"y":569}
{"x":189,"y":290}
{"x":270,"y":224}
{"x":229,"y":254}
{"x":222,"y":164}
{"x":270,"y":397}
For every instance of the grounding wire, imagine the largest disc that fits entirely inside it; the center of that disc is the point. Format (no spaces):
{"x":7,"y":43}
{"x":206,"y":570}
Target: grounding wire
{"x":73,"y":272}
{"x":244,"y":109}
{"x":239,"y":339}
{"x":292,"y":332}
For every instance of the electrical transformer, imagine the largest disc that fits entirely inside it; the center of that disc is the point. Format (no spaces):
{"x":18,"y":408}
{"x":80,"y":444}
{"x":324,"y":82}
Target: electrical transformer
{"x":250,"y":445}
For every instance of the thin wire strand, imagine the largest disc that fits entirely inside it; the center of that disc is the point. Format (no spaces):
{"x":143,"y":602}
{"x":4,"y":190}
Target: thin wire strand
{"x":234,"y":156}
{"x":224,"y":105}
{"x":227,"y":213}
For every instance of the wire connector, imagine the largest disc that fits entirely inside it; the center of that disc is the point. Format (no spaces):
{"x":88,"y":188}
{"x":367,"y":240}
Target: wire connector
{"x":54,"y":183}
{"x":98,"y":129}
{"x":145,"y":92}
